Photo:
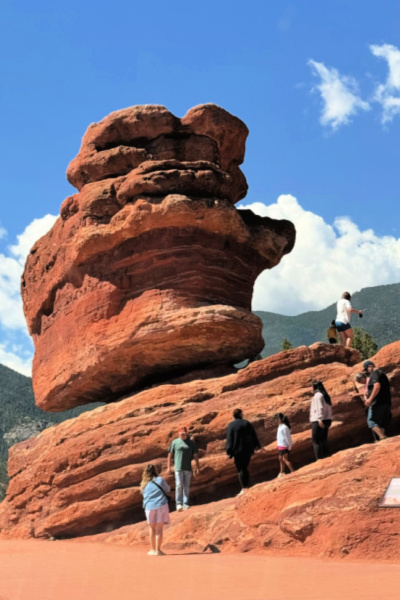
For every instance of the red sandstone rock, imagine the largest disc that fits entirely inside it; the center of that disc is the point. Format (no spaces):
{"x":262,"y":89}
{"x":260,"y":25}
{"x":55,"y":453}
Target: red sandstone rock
{"x":82,"y":476}
{"x":327,"y":509}
{"x":149,"y":272}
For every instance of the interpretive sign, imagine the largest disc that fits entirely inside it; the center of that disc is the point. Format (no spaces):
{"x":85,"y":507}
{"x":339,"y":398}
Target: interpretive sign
{"x":391,"y":498}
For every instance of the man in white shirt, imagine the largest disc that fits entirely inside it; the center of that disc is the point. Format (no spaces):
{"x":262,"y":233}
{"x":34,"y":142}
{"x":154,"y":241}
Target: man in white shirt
{"x":342,"y":322}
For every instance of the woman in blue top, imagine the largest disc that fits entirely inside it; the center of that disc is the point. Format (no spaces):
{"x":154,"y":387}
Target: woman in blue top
{"x":155,"y":504}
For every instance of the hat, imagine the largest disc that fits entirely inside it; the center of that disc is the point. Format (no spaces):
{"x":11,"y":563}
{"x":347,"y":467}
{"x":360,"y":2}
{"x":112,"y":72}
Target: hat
{"x":368,"y":363}
{"x":183,"y":430}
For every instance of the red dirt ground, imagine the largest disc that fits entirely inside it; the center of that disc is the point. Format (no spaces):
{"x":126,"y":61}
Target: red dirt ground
{"x":38,"y":570}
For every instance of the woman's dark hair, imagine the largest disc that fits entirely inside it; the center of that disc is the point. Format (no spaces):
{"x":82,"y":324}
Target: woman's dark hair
{"x":283,"y":418}
{"x":346,"y":295}
{"x":318,"y":386}
{"x":333,"y":324}
{"x":237,"y":413}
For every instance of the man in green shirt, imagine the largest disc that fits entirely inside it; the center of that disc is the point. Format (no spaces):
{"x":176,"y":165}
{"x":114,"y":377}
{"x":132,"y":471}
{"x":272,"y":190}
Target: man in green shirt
{"x":182,"y":450}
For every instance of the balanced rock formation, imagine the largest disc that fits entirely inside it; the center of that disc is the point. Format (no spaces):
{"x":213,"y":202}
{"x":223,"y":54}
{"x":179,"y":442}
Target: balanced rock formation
{"x":149,"y":271}
{"x":82,"y":476}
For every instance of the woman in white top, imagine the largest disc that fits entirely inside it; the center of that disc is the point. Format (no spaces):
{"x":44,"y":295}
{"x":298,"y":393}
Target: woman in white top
{"x":284,"y":440}
{"x":320,"y":419}
{"x":344,"y":310}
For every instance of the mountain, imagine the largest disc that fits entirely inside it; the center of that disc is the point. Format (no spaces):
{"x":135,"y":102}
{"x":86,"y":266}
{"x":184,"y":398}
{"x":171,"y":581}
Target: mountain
{"x":17,"y":406}
{"x":381,"y":319}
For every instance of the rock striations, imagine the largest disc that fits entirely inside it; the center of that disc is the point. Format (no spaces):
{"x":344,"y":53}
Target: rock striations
{"x":82,"y":476}
{"x":148,"y":273}
{"x":146,"y":280}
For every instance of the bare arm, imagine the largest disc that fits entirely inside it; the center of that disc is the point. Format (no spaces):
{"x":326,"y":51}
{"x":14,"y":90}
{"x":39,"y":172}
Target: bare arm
{"x":374,"y":393}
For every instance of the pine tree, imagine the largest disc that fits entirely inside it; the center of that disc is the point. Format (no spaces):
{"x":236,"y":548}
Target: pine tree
{"x":286,"y":345}
{"x":364,"y":343}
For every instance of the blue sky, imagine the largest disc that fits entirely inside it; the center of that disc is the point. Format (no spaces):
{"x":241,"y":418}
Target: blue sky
{"x":317,"y":83}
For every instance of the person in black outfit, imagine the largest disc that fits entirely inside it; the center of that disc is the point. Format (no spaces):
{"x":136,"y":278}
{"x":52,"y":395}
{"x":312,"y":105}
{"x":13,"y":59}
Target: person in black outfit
{"x":241,"y":442}
{"x":377,"y":399}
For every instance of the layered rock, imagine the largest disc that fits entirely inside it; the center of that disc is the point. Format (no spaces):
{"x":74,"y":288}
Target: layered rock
{"x":149,"y":271}
{"x":329,"y":509}
{"x":83,"y":475}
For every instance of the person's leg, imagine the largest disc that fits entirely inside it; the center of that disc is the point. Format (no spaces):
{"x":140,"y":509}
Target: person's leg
{"x":372,"y":418}
{"x":380,"y":432}
{"x":238,"y":464}
{"x":324,"y":439}
{"x":343,"y":337}
{"x":281,"y":465}
{"x":152,"y":535}
{"x":159,"y":530}
{"x":186,"y":478}
{"x":349,"y":337}
{"x":287,"y":462}
{"x":315,"y":435}
{"x":245,"y":465}
{"x":178,"y":488}
{"x":242,"y":462}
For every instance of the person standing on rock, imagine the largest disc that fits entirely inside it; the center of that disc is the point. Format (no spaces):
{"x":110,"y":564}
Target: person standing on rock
{"x":378,"y":399}
{"x":344,"y":310}
{"x":155,"y":504}
{"x":241,"y":442}
{"x":320,"y":419}
{"x":183,"y":450}
{"x":361,"y":379}
{"x":284,"y":441}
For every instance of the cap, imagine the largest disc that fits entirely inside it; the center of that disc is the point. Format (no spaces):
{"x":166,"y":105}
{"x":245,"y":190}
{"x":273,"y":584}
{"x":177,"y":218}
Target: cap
{"x":368,"y":363}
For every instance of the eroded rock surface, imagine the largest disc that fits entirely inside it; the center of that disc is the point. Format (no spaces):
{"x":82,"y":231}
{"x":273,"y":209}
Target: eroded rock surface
{"x":328,"y":509}
{"x":82,"y":476}
{"x":149,"y":271}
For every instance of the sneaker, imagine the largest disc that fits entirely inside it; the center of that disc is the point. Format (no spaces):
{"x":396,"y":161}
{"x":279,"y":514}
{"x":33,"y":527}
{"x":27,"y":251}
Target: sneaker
{"x":241,"y":492}
{"x":152,"y":553}
{"x":159,"y":553}
{"x":281,"y":474}
{"x":186,"y":506}
{"x":179,"y":507}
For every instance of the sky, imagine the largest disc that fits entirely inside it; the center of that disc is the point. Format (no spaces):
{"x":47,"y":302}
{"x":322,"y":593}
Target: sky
{"x":317,"y":83}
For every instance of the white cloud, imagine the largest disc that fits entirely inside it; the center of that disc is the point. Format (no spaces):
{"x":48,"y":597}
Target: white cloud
{"x":11,"y":314}
{"x":34,"y":231}
{"x":325,"y":261}
{"x":16,"y":359}
{"x":339,"y":95}
{"x":388,"y":93}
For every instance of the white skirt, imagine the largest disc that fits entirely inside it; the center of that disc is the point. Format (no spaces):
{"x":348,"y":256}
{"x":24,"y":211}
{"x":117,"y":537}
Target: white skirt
{"x":158,"y":515}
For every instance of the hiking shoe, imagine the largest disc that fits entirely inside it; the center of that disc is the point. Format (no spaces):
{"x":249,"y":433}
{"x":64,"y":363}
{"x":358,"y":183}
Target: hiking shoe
{"x":179,"y":507}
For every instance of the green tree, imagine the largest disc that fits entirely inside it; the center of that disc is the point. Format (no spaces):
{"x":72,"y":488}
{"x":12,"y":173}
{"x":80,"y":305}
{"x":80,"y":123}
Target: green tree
{"x":286,"y":345}
{"x":364,"y":343}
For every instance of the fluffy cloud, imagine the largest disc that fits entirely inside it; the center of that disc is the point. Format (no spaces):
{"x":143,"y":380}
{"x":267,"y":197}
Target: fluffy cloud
{"x":12,"y":322}
{"x":17,"y":358}
{"x":326,"y":260}
{"x":388,"y":93}
{"x":339,"y":94}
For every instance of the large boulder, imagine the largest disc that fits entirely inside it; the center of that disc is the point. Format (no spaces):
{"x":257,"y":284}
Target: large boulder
{"x":82,"y":476}
{"x":148,"y":273}
{"x":328,"y":509}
